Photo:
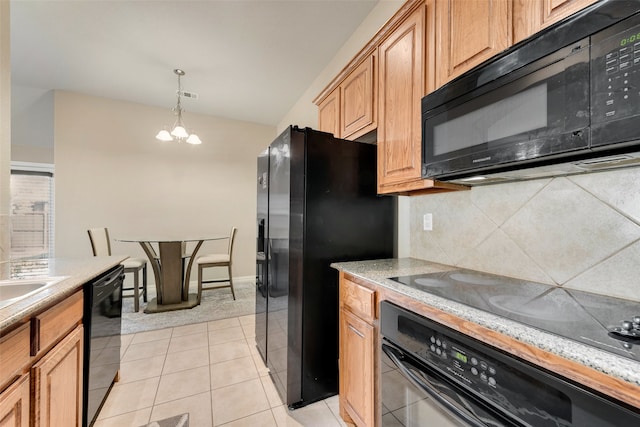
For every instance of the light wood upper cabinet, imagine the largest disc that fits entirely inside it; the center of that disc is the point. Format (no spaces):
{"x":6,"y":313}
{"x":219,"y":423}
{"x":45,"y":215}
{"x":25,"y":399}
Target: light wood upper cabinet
{"x":349,"y":111}
{"x":400,"y":89}
{"x":381,"y":88}
{"x":468,"y":33}
{"x":329,"y":114}
{"x":423,"y":46}
{"x":531,"y":16}
{"x":357,"y":101}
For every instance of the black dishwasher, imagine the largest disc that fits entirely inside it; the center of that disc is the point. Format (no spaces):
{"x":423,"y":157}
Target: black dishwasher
{"x":102,"y":326}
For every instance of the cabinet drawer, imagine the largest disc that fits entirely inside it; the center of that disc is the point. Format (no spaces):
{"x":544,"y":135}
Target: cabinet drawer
{"x":14,"y":354}
{"x":359,"y":299}
{"x":49,"y":327}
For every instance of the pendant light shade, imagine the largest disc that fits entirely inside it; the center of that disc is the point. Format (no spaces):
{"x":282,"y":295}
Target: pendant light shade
{"x":164,"y":135}
{"x":194,"y":139}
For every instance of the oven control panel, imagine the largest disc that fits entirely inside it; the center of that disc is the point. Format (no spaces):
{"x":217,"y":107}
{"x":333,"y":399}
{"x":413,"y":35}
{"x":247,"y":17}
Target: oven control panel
{"x":472,"y":374}
{"x":480,"y":369}
{"x":467,"y":365}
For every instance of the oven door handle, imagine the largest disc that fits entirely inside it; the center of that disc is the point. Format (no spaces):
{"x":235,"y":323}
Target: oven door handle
{"x":424,"y":384}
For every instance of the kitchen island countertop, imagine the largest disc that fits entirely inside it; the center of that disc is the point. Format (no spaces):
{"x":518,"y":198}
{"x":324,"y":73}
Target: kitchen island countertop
{"x":76,"y":272}
{"x":379,"y":272}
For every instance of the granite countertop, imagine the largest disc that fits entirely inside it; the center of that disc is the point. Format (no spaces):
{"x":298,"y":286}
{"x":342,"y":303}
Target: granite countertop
{"x":379,"y":272}
{"x":76,"y":272}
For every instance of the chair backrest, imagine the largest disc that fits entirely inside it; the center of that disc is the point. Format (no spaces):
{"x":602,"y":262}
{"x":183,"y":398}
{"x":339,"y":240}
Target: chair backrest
{"x":231,"y":239}
{"x":100,"y":244}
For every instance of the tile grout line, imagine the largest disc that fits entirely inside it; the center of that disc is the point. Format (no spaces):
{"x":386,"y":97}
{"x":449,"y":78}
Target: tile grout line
{"x":259,"y":372}
{"x":153,"y":405}
{"x":211,"y":413}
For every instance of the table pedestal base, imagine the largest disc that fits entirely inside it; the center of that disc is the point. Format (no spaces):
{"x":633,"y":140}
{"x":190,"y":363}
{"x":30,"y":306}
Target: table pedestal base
{"x":154,"y":307}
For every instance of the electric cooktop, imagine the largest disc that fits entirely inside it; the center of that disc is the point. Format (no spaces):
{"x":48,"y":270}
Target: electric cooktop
{"x":611,"y":324}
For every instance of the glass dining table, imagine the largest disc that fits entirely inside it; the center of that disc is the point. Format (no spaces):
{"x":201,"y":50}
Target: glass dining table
{"x":168,"y":265}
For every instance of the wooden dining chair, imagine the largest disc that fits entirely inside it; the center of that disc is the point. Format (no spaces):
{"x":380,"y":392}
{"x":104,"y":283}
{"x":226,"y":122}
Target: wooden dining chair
{"x":101,"y":246}
{"x":217,"y":260}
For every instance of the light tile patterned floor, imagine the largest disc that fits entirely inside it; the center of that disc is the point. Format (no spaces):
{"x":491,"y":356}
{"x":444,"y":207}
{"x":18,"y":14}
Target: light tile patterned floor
{"x":211,"y":370}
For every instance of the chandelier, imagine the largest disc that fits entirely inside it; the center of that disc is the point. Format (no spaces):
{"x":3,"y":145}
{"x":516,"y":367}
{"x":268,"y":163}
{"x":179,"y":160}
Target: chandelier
{"x":178,"y":132}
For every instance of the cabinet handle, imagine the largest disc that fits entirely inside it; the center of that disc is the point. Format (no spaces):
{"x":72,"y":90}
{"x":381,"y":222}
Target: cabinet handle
{"x":35,"y":336}
{"x":355,"y":331}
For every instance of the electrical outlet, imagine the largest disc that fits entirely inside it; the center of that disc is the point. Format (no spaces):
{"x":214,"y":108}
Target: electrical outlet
{"x":427,"y":222}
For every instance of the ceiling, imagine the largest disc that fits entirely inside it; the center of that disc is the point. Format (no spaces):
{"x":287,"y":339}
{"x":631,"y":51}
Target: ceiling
{"x":246,"y":60}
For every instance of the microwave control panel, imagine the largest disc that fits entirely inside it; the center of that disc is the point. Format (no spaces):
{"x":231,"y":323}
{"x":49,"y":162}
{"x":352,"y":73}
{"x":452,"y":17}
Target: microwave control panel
{"x":615,"y":70}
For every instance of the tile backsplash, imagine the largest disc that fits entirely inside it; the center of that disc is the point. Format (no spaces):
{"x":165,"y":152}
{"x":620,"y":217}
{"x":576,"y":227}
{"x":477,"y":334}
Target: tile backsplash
{"x":581,"y":231}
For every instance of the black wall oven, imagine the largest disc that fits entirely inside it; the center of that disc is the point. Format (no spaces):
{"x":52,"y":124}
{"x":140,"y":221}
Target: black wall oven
{"x":564,"y":96}
{"x":433,"y":374}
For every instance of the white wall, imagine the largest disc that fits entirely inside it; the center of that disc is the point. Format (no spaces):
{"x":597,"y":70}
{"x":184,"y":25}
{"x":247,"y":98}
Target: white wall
{"x":31,"y":125}
{"x":112,"y":172}
{"x":5,"y":133}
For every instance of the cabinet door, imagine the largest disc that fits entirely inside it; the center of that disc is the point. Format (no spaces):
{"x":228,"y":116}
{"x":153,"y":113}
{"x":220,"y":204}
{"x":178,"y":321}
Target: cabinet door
{"x":468,"y":33}
{"x":530,"y":16}
{"x":329,"y":114}
{"x":357,"y":106}
{"x":58,"y":384}
{"x":357,"y":350}
{"x":14,"y":404}
{"x":400,"y":90}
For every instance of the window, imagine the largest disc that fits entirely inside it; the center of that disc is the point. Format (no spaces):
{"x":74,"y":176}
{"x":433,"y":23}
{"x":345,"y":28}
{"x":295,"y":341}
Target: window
{"x":32,"y":215}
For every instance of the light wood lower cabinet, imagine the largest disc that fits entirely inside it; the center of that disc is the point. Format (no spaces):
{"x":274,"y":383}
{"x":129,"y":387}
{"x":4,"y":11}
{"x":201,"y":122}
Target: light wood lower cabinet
{"x":358,"y":353}
{"x":14,"y":404}
{"x":15,"y":354}
{"x":41,"y":368}
{"x":57,"y":380}
{"x":357,"y":343}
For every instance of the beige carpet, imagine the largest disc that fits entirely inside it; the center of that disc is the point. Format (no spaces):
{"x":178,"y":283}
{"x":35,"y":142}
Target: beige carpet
{"x":216,"y":304}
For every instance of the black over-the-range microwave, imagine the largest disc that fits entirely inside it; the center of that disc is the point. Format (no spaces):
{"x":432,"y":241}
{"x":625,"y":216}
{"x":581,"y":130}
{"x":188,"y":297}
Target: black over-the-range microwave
{"x":564,"y":101}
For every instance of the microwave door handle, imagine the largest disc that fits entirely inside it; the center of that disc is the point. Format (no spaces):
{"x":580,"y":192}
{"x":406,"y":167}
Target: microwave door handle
{"x":423,"y":383}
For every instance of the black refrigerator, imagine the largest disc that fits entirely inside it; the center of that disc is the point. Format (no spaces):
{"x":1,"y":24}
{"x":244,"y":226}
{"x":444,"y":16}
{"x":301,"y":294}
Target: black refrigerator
{"x":316,"y":204}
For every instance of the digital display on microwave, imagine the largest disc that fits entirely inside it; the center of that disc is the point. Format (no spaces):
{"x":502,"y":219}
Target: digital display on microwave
{"x":630,"y":40}
{"x":519,"y":113}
